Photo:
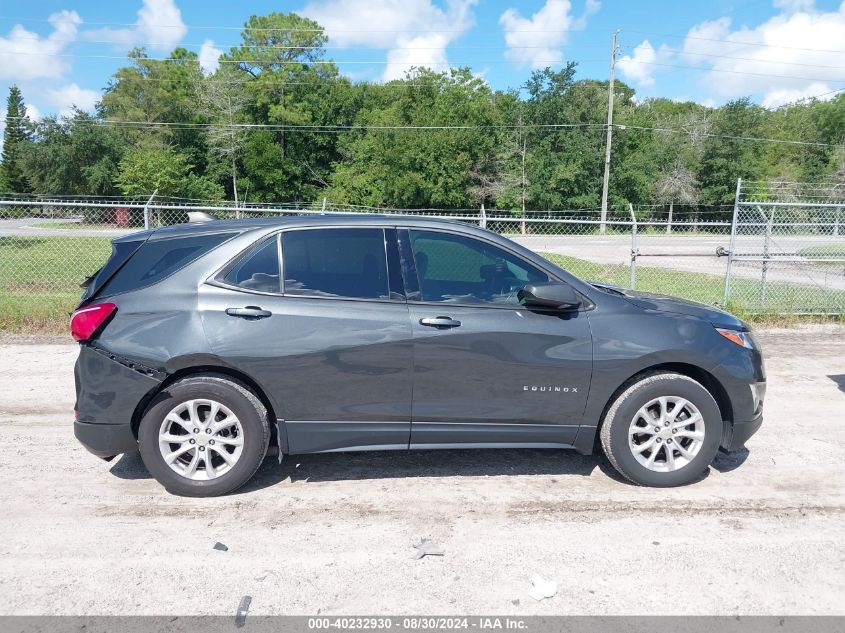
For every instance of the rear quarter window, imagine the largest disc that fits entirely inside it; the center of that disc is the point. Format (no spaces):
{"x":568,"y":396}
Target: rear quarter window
{"x":121,"y":252}
{"x":158,"y":259}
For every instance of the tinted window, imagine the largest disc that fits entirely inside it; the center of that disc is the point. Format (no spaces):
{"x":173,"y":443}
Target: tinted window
{"x":258,"y":269}
{"x":459,"y":269}
{"x":121,"y":251}
{"x":335,"y":263}
{"x":157,"y":259}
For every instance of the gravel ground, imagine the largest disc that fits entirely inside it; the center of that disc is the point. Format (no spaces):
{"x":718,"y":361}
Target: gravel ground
{"x":761,"y":533}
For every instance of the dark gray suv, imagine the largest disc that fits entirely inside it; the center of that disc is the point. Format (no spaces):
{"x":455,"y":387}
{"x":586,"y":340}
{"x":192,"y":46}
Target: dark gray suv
{"x":204,"y":345}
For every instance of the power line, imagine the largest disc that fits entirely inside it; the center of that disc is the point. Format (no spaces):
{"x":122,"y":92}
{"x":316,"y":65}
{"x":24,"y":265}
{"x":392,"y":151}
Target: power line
{"x":749,"y":59}
{"x":423,"y":64}
{"x":367,"y":128}
{"x":287,"y":48}
{"x":729,"y":137}
{"x":340,"y":127}
{"x":734,"y":72}
{"x":264,"y":29}
{"x":286,"y":62}
{"x":738,"y":43}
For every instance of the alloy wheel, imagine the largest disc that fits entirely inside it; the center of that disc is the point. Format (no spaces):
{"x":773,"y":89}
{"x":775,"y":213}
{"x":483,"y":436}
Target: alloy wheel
{"x":666,"y":434}
{"x":201,"y":439}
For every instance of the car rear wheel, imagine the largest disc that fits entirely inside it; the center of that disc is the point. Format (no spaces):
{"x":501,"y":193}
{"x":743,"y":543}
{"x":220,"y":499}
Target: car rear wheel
{"x":204,"y":436}
{"x":662,"y":430}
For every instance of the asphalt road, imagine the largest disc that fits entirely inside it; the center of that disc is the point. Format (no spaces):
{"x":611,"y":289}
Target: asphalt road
{"x":761,"y":533}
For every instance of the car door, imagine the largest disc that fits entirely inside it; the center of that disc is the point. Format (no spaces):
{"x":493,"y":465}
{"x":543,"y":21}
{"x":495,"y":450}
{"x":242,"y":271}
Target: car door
{"x":487,"y":371}
{"x":331,"y":345}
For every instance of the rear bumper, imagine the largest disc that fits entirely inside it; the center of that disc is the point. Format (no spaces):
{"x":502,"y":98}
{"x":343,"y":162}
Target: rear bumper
{"x":108,"y":391}
{"x":105,"y":440}
{"x":736,"y":434}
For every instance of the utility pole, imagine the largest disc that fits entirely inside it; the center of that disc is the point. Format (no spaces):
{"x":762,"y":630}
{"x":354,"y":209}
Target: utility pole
{"x":613,"y":50}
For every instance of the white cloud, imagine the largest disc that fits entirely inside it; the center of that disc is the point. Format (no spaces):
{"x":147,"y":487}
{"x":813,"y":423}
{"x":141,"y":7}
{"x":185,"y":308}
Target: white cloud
{"x":32,"y":112}
{"x":641,"y":67}
{"x":779,"y":96}
{"x":65,"y":98}
{"x":25,"y":55}
{"x":209,"y":57}
{"x":415,"y":32}
{"x":782,"y":59}
{"x":791,"y":6}
{"x":159,"y":27}
{"x":537,"y":41}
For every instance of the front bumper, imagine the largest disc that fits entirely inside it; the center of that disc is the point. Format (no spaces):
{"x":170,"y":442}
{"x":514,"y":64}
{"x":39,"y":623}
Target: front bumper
{"x":108,"y":391}
{"x":736,"y":434}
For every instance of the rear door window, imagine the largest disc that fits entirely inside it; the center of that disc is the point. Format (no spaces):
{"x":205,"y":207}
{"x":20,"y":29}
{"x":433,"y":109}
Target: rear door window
{"x":158,"y":259}
{"x":348,"y":263}
{"x":258,"y":269}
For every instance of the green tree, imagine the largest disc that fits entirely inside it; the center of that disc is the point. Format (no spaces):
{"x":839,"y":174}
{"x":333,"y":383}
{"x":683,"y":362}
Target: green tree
{"x":163,"y":94}
{"x":152,"y":166}
{"x":16,"y":137}
{"x":384,"y":165}
{"x":726,"y":156}
{"x":74,"y":155}
{"x":292,"y":88}
{"x":223,"y":101}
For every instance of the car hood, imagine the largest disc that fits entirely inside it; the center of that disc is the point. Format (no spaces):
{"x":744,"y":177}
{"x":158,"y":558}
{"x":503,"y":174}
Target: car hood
{"x":664,"y":303}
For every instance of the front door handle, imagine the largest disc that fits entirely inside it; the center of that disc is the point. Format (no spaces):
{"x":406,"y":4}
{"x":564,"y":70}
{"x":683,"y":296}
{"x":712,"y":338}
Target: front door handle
{"x":440,"y":322}
{"x":249,"y":312}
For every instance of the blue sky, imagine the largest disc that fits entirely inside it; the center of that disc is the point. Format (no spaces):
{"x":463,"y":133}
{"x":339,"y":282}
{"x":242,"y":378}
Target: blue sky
{"x":62,"y":53}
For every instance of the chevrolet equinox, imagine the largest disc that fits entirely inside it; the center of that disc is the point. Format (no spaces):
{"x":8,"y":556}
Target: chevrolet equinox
{"x":203,"y":345}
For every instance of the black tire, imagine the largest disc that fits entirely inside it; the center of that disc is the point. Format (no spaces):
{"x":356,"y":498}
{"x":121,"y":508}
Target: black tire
{"x":233,"y":395}
{"x":620,"y":415}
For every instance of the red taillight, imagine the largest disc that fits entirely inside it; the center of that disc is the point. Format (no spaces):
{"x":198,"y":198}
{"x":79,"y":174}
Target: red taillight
{"x":85,"y":322}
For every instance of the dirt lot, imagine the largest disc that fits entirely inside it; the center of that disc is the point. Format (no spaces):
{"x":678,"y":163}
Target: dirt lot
{"x":763,"y":532}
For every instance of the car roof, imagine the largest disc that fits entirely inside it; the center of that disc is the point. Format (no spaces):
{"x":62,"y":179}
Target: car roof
{"x":316,"y":219}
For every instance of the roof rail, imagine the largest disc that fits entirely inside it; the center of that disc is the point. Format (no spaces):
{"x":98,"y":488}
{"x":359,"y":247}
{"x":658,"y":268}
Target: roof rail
{"x":199,"y":216}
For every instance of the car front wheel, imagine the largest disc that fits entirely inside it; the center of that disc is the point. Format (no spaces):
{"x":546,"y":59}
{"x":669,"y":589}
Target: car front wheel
{"x":663,"y":430}
{"x":204,"y":436}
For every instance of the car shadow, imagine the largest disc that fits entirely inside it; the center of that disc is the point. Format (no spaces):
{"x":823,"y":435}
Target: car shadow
{"x":418,"y":464}
{"x":839,"y":379}
{"x":130,"y":466}
{"x":726,"y":462}
{"x":360,"y":466}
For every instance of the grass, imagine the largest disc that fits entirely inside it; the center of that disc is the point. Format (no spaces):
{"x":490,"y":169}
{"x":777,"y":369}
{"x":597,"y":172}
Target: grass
{"x":709,"y":289}
{"x":82,"y":226}
{"x":40,"y":277}
{"x":832,"y":251}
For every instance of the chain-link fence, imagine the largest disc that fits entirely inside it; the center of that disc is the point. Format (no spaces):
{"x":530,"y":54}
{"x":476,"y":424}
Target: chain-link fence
{"x":787,"y":258}
{"x":787,"y":249}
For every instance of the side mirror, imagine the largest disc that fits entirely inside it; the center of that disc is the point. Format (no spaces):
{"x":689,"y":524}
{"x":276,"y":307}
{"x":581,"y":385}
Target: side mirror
{"x":551,"y":295}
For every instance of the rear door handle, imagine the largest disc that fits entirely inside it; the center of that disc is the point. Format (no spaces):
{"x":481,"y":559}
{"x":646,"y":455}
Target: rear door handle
{"x":440,"y":322}
{"x":249,"y":312}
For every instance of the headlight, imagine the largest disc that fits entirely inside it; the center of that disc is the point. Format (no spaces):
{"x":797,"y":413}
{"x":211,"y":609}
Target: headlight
{"x":743,"y":339}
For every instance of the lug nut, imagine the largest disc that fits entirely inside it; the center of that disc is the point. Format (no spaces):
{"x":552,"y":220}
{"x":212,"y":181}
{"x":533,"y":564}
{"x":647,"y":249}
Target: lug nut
{"x":193,"y":441}
{"x":659,"y":440}
{"x":665,"y":424}
{"x":202,"y":448}
{"x":657,"y":429}
{"x":669,"y":441}
{"x":211,"y":442}
{"x":196,"y":430}
{"x":208,"y":431}
{"x":674,"y":430}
